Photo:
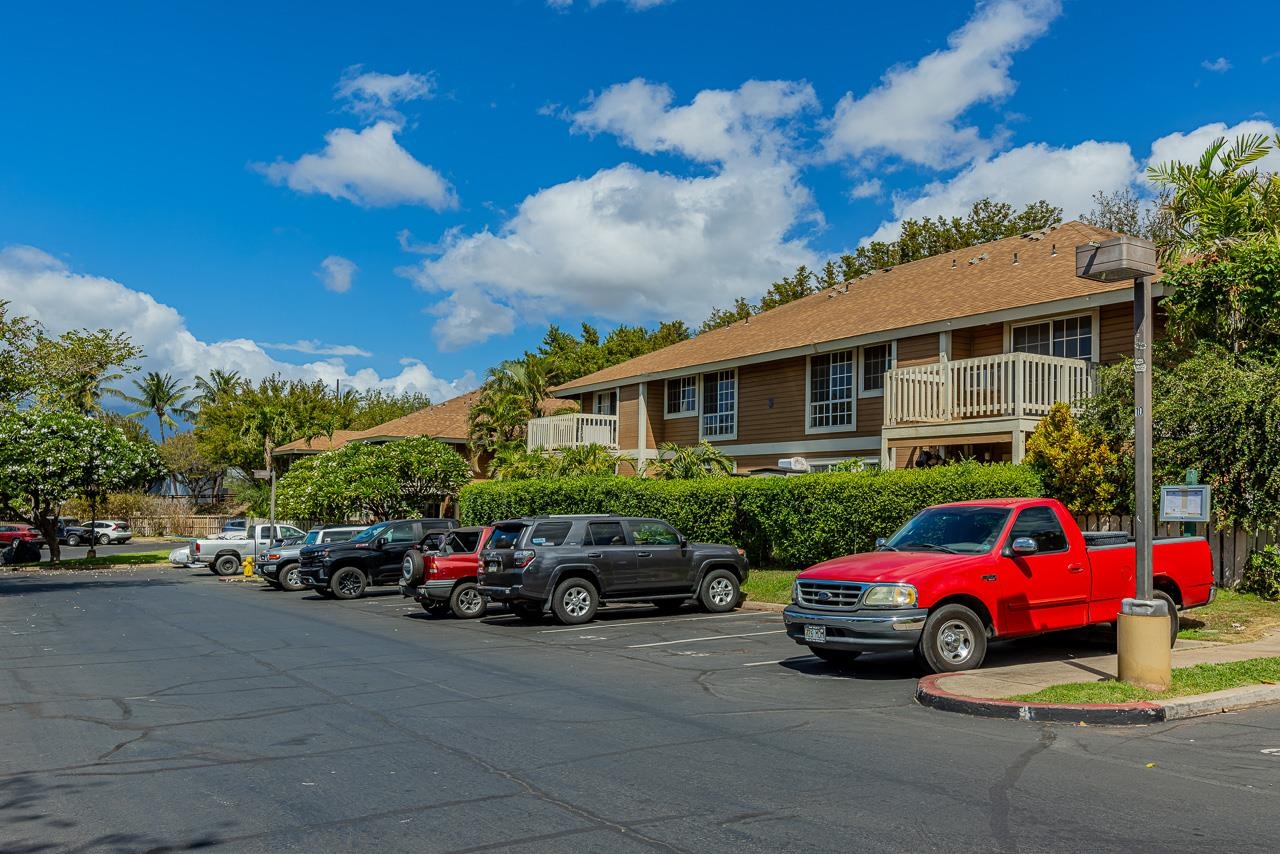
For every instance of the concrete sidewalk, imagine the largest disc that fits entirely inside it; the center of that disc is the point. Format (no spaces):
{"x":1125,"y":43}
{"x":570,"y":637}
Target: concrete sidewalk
{"x":985,"y":692}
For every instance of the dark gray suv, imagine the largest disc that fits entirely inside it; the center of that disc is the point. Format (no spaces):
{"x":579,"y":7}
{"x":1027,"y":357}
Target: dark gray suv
{"x":570,"y":565}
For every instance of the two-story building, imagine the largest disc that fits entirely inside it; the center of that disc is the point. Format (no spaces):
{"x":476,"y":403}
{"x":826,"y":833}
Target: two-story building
{"x":961,"y":354}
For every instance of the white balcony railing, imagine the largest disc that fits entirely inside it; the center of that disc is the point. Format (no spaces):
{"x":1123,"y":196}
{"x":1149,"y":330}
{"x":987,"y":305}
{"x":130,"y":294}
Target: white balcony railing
{"x":1009,"y":385}
{"x":572,"y":430}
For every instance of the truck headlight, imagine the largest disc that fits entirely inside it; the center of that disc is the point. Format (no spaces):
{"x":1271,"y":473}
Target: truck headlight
{"x":795,"y":592}
{"x":889,"y":596}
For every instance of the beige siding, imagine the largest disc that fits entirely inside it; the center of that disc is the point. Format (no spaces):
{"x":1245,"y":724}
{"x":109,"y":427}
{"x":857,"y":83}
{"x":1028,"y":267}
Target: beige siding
{"x":870,"y":414}
{"x":628,"y":416}
{"x":917,"y":350}
{"x":1115,"y":335}
{"x":771,"y":401}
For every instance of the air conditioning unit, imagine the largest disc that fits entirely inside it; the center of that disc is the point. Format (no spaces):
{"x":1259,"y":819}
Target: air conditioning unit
{"x":794,"y":464}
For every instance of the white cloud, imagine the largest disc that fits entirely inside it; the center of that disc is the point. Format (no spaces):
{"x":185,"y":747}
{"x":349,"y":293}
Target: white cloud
{"x":367,"y":168}
{"x":634,"y":5}
{"x":915,"y":112}
{"x":1221,"y":65}
{"x":373,"y":96}
{"x":634,"y":245}
{"x":316,"y":348}
{"x":867,"y":189}
{"x":717,"y":126}
{"x":1187,"y":147}
{"x":337,"y":273}
{"x":1067,"y":177}
{"x":45,"y":289}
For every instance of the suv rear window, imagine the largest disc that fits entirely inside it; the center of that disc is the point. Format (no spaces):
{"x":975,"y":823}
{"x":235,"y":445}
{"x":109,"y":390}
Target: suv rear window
{"x":504,"y":538}
{"x":463,"y":542}
{"x":549,"y":533}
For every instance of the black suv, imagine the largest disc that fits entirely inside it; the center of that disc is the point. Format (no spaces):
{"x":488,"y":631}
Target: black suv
{"x":570,"y":564}
{"x":372,"y":557}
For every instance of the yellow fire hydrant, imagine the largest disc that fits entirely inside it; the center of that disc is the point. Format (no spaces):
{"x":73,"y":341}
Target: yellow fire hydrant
{"x":248,"y":566}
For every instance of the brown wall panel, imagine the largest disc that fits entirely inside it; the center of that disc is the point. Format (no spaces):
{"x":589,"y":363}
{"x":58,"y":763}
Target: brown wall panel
{"x":1115,"y":336}
{"x":771,"y":401}
{"x":987,"y":340}
{"x":917,"y":350}
{"x":628,"y":412}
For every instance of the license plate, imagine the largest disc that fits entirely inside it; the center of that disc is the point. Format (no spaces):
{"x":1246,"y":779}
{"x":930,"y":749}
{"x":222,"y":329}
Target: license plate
{"x":817,"y":634}
{"x":492,"y":566}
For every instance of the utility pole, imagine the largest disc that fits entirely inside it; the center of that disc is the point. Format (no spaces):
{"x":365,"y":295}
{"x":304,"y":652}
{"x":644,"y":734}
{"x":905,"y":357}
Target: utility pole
{"x":1143,"y":625}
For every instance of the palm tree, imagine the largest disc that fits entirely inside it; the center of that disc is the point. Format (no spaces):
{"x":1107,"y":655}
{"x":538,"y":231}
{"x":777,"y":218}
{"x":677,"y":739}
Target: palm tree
{"x":160,"y":395}
{"x":216,"y":386}
{"x":678,"y":463}
{"x":590,"y":460}
{"x":498,"y":418}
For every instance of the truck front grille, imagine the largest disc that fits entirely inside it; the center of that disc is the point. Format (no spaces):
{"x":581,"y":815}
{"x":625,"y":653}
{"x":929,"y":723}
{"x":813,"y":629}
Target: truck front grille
{"x":829,"y":595}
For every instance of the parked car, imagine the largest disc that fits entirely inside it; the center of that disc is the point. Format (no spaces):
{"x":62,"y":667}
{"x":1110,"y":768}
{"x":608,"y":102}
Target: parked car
{"x":571,"y":565}
{"x":226,"y":556}
{"x":101,"y":531}
{"x":372,"y":557}
{"x":10,"y":533}
{"x":279,"y":565}
{"x":958,"y":575}
{"x":441,"y":576}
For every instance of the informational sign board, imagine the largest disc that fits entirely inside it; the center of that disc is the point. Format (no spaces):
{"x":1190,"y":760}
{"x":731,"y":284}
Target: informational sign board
{"x":1184,"y":504}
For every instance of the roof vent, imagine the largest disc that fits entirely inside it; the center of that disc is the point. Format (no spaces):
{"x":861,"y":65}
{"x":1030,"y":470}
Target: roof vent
{"x":982,"y":257}
{"x":953,"y":263}
{"x":1053,"y":249}
{"x":1015,"y":257}
{"x":973,"y":261}
{"x":886,"y":269}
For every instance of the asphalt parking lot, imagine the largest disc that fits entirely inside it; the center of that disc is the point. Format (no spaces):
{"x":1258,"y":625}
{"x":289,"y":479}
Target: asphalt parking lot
{"x":165,"y":711}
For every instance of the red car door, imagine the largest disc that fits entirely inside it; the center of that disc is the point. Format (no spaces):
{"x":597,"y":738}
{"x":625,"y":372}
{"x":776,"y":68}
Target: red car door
{"x":1048,"y":589}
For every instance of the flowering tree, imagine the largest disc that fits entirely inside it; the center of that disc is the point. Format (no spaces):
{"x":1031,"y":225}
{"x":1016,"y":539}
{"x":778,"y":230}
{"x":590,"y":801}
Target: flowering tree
{"x":49,"y":456}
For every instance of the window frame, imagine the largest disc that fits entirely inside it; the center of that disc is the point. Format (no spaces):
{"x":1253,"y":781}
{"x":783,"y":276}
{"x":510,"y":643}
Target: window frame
{"x":702,"y":413}
{"x":809,"y":427}
{"x":1066,"y":543}
{"x":696,"y":411}
{"x":606,"y":394}
{"x":891,"y":359}
{"x":1094,"y":316}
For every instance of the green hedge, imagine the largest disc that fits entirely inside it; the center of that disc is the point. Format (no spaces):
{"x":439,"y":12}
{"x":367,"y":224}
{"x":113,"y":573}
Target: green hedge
{"x":790,"y":521}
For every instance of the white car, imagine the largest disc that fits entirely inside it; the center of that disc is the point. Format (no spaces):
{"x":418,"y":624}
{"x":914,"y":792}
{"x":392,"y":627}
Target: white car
{"x":110,"y":531}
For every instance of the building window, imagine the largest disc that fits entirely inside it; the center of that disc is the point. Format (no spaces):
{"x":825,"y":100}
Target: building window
{"x":606,"y":403}
{"x":1068,"y":337}
{"x":875,"y":361}
{"x":831,"y":390}
{"x":682,"y":396}
{"x":720,"y":404}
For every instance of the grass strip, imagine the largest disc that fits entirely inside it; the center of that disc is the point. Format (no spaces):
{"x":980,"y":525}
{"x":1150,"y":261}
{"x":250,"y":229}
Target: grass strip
{"x":1200,"y":679}
{"x":131,"y":559}
{"x":770,"y":585}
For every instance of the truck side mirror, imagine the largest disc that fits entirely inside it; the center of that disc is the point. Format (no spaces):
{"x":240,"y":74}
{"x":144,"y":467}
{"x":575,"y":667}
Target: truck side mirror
{"x":1024,"y":546}
{"x":380,"y":542}
{"x":881,"y":542}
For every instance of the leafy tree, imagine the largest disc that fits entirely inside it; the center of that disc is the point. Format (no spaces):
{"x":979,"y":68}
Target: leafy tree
{"x":1077,"y":467}
{"x":685,"y":463}
{"x":159,"y":395}
{"x":48,"y":457}
{"x":1123,"y":211}
{"x":591,"y":460}
{"x":513,"y":461}
{"x":183,"y":458}
{"x":361,"y":480}
{"x":742,"y":309}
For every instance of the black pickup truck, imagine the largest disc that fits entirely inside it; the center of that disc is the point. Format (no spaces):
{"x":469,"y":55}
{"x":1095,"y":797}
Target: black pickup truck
{"x":372,"y":557}
{"x":570,"y":565}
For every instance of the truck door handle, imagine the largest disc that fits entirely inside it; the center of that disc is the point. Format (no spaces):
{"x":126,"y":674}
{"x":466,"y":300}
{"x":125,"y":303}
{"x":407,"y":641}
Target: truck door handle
{"x":1075,"y":567}
{"x":644,"y":554}
{"x":594,"y":554}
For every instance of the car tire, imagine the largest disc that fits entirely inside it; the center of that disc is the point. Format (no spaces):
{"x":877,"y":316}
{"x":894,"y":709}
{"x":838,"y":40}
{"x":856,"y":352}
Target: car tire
{"x":954,"y":639}
{"x":73,"y":540}
{"x":719,"y":592}
{"x":835,"y":656}
{"x":526,"y":612}
{"x":412,"y":566}
{"x":290,"y":578}
{"x":348,"y":583}
{"x":225,"y":565}
{"x":104,"y":539}
{"x":575,"y":601}
{"x":1173,"y":615}
{"x":466,"y":601}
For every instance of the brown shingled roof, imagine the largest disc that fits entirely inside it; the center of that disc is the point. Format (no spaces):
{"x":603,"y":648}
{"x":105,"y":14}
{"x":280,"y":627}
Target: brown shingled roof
{"x":958,"y":284}
{"x":318,"y":444}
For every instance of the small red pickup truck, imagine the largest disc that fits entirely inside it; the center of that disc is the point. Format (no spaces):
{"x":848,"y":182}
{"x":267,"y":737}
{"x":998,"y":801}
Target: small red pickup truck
{"x":443,"y":579}
{"x":957,"y":575}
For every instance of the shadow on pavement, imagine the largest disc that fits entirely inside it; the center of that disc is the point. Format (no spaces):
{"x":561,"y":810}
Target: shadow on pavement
{"x":38,"y":584}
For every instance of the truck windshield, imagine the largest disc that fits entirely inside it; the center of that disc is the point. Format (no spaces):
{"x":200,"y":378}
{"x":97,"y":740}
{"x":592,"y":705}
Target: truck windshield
{"x":958,"y":530}
{"x":371,"y":533}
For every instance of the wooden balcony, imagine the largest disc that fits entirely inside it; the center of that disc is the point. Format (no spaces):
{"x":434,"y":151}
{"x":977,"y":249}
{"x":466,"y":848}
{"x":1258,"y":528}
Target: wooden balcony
{"x":572,"y":430}
{"x":1011,"y":385}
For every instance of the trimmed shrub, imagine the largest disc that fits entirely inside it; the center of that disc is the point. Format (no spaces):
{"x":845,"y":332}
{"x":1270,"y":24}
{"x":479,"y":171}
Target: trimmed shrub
{"x":792,"y":521}
{"x":1262,"y":574}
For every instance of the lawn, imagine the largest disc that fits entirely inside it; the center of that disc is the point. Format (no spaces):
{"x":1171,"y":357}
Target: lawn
{"x":103,"y":561}
{"x":1231,"y":618}
{"x":770,"y":585}
{"x":1200,"y":679}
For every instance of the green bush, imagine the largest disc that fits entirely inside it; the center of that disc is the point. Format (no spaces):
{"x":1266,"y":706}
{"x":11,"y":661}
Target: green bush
{"x":1262,"y":574}
{"x":791,"y":521}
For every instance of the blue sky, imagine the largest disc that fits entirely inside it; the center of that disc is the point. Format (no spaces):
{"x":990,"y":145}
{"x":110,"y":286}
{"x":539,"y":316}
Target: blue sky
{"x":401,"y":195}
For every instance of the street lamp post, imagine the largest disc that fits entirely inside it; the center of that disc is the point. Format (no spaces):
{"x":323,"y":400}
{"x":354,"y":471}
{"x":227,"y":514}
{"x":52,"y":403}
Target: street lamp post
{"x":1143,"y":625}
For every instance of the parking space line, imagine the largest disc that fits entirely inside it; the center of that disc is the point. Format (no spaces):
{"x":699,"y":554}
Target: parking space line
{"x":779,"y":661}
{"x":708,"y":638}
{"x":658,"y":622}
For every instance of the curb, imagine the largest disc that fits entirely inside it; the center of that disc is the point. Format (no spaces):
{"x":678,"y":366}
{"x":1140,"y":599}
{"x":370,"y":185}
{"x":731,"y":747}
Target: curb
{"x":748,"y":605}
{"x":930,"y":693}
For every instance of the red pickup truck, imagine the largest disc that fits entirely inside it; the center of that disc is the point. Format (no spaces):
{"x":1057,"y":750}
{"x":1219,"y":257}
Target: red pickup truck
{"x":442,"y":576}
{"x":957,"y":575}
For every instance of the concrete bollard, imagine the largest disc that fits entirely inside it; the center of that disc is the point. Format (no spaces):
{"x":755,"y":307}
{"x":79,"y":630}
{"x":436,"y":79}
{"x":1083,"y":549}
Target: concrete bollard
{"x":1145,"y":658}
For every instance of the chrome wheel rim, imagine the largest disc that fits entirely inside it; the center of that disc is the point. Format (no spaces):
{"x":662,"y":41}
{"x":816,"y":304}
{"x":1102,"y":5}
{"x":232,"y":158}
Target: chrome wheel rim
{"x":293,"y":578}
{"x":955,"y":641}
{"x":349,"y":584}
{"x":470,"y":601}
{"x":721,"y":591}
{"x":577,"y":602}
{"x":407,"y":568}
